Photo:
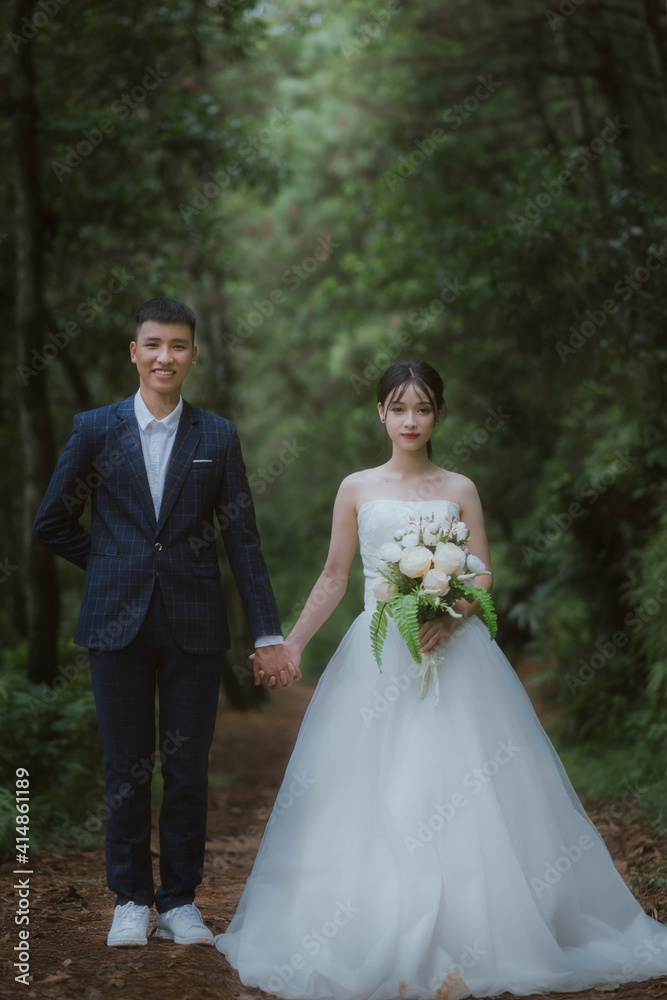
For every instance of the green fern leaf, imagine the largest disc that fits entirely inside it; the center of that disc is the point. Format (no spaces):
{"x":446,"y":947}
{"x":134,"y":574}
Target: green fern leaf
{"x":486,"y":605}
{"x":379,"y":631}
{"x":404,"y":609}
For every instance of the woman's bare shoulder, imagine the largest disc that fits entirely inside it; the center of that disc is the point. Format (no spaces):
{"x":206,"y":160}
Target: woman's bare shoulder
{"x":457,"y":487}
{"x":357,"y":487}
{"x":353,"y":484}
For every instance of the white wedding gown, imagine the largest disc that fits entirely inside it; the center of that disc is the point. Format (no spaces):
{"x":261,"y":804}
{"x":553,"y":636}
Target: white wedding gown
{"x":416,"y":837}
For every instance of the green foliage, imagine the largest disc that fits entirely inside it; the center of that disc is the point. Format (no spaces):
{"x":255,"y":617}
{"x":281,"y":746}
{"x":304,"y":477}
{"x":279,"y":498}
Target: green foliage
{"x":487,"y":609}
{"x":473,"y":255}
{"x":504,"y":342}
{"x":404,"y":609}
{"x":411,"y":609}
{"x":379,"y":630}
{"x":625,"y":775}
{"x":429,"y":607}
{"x":53,"y":734}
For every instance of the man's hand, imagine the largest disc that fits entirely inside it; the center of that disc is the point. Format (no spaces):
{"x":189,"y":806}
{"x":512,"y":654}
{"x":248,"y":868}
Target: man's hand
{"x":273,"y":666}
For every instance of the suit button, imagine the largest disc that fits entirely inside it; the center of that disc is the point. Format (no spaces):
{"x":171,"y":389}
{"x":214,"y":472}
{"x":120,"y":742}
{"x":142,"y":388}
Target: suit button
{"x":158,"y":546}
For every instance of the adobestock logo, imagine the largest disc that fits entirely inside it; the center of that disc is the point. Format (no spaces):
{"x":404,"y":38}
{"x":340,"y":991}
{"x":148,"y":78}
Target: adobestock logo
{"x":581,"y":158}
{"x":554,"y":870}
{"x":371,"y":29}
{"x":45,"y":10}
{"x":474,"y":781}
{"x":312,"y":943}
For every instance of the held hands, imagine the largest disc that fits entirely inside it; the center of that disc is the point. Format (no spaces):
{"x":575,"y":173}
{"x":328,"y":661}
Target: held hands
{"x":277,"y":665}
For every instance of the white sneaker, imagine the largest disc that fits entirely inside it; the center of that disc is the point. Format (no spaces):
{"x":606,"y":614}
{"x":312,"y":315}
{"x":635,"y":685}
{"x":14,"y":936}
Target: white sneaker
{"x":184,"y":925}
{"x":130,"y":925}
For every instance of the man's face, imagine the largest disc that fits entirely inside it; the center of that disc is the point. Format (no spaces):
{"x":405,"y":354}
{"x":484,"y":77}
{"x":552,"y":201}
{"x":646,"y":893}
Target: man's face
{"x":164,"y":354}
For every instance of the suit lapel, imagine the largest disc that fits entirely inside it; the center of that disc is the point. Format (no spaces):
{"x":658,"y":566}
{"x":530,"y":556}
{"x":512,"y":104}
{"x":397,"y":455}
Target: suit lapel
{"x":185,"y":445}
{"x":130,"y":443}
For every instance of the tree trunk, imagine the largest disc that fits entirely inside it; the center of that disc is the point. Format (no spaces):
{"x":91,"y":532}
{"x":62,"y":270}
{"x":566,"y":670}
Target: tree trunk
{"x":580,"y":117}
{"x":656,"y":48}
{"x":77,"y":380}
{"x":36,"y":437}
{"x":613,"y":90}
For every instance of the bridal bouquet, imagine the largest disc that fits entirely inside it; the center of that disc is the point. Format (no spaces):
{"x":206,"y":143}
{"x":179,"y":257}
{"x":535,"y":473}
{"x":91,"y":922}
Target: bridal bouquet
{"x":423,"y":573}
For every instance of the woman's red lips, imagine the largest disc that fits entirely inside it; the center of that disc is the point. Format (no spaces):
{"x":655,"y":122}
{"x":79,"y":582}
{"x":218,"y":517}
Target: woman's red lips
{"x":410,"y":435}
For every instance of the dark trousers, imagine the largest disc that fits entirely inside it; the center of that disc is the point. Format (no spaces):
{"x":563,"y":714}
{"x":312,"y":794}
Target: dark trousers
{"x":124,"y":688}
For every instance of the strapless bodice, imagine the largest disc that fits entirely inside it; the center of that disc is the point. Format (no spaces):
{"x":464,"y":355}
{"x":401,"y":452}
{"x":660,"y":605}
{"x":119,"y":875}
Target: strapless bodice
{"x":378,"y":521}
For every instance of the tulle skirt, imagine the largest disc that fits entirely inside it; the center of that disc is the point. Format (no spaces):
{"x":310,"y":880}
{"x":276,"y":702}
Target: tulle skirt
{"x":419,"y":838}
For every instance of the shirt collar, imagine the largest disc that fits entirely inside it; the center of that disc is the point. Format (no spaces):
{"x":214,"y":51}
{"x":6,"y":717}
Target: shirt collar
{"x":145,"y":417}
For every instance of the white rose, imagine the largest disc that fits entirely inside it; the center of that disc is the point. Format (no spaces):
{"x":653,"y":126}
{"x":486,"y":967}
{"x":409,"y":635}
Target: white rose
{"x":410,"y":540}
{"x":415,"y":561}
{"x":436,"y":582}
{"x":448,"y":558}
{"x":390,"y":552}
{"x":384,"y":590}
{"x":474,"y":564}
{"x":461,"y":531}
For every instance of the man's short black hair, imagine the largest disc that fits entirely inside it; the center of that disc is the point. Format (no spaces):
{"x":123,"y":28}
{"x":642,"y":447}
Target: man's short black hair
{"x":166,"y":310}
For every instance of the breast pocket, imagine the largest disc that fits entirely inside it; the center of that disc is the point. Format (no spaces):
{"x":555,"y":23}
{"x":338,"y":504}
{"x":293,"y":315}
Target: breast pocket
{"x":210,"y":569}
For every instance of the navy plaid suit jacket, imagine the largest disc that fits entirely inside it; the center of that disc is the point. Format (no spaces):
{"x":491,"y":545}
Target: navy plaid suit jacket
{"x":126,"y":547}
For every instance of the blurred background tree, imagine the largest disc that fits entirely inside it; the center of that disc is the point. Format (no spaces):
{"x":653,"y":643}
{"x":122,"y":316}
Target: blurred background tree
{"x":336,"y":185}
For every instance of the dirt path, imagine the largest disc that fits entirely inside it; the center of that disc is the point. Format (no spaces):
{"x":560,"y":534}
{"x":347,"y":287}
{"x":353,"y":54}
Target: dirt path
{"x":71,"y":907}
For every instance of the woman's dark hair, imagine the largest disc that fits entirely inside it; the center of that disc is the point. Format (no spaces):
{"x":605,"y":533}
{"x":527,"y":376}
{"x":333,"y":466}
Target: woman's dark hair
{"x":166,"y":310}
{"x":395,"y":380}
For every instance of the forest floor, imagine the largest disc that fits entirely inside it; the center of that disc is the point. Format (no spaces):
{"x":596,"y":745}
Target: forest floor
{"x":71,"y":908}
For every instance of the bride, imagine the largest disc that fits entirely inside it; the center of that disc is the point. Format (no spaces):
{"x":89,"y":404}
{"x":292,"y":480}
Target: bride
{"x":434,"y":846}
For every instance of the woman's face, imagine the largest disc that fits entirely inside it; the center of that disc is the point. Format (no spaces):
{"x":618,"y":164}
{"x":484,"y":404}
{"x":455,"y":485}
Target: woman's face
{"x":410,"y":418}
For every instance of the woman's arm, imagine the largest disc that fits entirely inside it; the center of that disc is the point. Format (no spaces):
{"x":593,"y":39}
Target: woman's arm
{"x":436,"y":630}
{"x":332,"y":582}
{"x":471,"y":514}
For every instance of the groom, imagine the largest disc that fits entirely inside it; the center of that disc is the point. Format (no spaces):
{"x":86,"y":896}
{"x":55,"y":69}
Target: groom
{"x":157,"y":469}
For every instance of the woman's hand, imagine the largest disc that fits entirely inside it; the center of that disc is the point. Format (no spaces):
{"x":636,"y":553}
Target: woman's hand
{"x":273,"y":666}
{"x":293,"y":654}
{"x":436,"y":631}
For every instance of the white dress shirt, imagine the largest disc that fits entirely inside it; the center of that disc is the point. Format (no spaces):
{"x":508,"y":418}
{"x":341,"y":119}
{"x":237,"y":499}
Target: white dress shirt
{"x":157,"y":442}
